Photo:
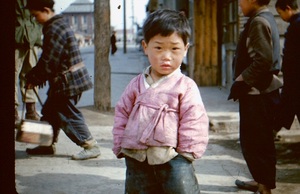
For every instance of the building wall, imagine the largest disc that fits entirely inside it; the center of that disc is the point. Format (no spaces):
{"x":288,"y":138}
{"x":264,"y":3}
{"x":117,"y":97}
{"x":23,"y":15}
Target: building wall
{"x":81,"y":22}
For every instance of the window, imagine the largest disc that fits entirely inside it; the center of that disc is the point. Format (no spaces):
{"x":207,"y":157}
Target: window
{"x":75,"y":19}
{"x":84,"y":19}
{"x":230,"y":22}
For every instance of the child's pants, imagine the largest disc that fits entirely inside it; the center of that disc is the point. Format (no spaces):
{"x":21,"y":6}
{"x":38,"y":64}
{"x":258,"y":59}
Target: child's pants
{"x":174,"y":177}
{"x":61,"y":113}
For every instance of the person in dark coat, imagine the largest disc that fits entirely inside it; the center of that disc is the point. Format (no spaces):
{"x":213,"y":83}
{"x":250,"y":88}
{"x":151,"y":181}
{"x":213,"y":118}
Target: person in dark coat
{"x":256,"y":86}
{"x":290,"y":94}
{"x":61,"y":65}
{"x":113,"y":41}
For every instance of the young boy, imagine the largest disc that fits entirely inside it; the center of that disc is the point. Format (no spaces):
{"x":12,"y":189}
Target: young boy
{"x":61,"y":65}
{"x":161,"y":125}
{"x":290,"y":103}
{"x":256,"y":65}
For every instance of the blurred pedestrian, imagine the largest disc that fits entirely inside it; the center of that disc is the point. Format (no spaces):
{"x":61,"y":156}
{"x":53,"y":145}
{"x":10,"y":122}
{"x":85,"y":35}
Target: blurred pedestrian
{"x":113,"y":41}
{"x":61,"y":65}
{"x":161,"y":125}
{"x":290,"y":95}
{"x":256,"y":86}
{"x":28,"y":38}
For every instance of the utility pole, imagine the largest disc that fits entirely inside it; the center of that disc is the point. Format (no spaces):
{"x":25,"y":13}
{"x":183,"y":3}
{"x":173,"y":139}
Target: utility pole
{"x":102,"y":72}
{"x":124,"y":30}
{"x":132,"y":17}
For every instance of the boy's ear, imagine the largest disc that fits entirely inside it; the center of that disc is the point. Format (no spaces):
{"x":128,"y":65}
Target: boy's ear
{"x":288,"y":8}
{"x":144,"y":44}
{"x":186,"y":48}
{"x":47,"y":9}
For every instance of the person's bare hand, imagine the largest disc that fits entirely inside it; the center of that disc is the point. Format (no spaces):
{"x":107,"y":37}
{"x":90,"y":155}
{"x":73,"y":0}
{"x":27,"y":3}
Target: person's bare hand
{"x":29,"y":86}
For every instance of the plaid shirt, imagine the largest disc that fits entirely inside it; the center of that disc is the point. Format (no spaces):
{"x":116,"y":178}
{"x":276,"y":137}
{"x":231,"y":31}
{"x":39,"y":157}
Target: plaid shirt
{"x":60,"y":52}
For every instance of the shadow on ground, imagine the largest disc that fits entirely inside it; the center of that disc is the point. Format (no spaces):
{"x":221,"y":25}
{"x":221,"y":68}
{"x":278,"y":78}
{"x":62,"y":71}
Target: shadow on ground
{"x":288,"y":158}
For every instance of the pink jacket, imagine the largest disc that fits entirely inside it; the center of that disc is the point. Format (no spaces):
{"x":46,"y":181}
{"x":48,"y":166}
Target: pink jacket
{"x":171,"y":114}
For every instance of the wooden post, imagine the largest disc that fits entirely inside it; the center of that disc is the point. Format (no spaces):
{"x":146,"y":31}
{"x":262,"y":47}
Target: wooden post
{"x":199,"y":13}
{"x":206,"y":75}
{"x":216,"y":68}
{"x":102,"y":72}
{"x":124,"y":27}
{"x":206,"y":43}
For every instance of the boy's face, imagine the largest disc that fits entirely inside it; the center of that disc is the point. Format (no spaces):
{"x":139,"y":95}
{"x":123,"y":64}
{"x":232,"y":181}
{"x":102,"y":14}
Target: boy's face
{"x":247,"y":7}
{"x":40,"y":16}
{"x":165,"y":54}
{"x":285,"y":14}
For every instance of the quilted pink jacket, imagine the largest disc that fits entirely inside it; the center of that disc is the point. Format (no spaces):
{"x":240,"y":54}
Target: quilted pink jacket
{"x":171,"y":114}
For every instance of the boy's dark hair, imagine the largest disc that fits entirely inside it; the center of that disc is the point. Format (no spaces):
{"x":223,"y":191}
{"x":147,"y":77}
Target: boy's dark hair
{"x":165,"y":22}
{"x":39,"y":5}
{"x":263,"y":2}
{"x":282,"y":4}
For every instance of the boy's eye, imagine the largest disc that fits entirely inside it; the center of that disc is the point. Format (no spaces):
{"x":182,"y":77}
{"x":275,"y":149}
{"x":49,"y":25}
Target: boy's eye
{"x":158,"y":47}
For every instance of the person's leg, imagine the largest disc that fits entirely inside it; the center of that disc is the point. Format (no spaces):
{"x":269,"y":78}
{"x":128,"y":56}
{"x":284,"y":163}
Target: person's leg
{"x":19,"y":58}
{"x":49,"y":115}
{"x":73,"y":124}
{"x":297,"y":110}
{"x":177,"y":176}
{"x":72,"y":121}
{"x":256,"y":137}
{"x":57,"y":111}
{"x":140,"y":178}
{"x":61,"y":112}
{"x":30,"y":99}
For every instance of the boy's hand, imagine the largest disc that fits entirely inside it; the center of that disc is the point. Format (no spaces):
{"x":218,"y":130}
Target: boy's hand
{"x":29,"y":86}
{"x":238,"y":90}
{"x":120,"y":155}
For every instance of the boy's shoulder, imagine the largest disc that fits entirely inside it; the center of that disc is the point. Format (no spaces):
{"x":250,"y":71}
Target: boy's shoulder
{"x":57,"y":19}
{"x":188,"y":80}
{"x":182,"y":80}
{"x":136,"y":80}
{"x":297,"y":17}
{"x":57,"y":25}
{"x":260,"y":21}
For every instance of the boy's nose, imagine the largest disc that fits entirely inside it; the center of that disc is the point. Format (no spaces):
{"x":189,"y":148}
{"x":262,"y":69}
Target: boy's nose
{"x":167,"y":55}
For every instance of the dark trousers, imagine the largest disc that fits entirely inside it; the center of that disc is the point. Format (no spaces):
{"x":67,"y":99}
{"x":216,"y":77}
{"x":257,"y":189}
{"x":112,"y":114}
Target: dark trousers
{"x":289,"y":108}
{"x":174,"y":177}
{"x":61,"y":113}
{"x":113,"y":49}
{"x":256,"y":136}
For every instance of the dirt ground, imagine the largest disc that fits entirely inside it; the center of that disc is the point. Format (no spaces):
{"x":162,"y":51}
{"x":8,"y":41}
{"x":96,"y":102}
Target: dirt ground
{"x":106,"y":173}
{"x":288,"y":160}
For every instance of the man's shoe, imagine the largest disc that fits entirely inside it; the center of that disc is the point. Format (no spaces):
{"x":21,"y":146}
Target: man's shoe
{"x":249,"y":186}
{"x":87,"y":153}
{"x":41,"y":150}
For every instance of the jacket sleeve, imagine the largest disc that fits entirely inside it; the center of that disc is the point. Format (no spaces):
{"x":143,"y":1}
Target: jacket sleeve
{"x":42,"y":71}
{"x":194,"y":124}
{"x":260,"y":48}
{"x":122,"y":112}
